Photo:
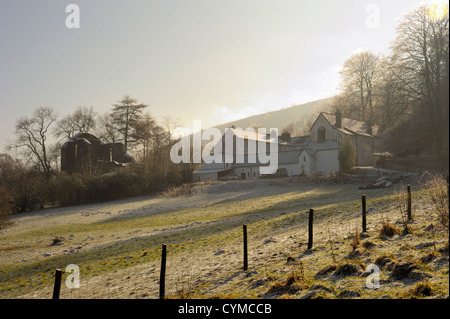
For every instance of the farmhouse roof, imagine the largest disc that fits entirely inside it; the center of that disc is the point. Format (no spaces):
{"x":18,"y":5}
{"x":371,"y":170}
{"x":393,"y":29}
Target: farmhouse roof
{"x":315,"y":147}
{"x":351,"y":126}
{"x":251,"y":134}
{"x":288,"y":157}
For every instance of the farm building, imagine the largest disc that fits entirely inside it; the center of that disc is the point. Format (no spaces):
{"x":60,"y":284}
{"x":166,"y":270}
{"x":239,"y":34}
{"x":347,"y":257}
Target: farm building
{"x":313,"y":155}
{"x":84,"y":150}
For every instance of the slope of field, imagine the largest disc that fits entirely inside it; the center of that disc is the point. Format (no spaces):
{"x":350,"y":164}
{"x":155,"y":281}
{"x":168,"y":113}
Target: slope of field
{"x":117,"y":245}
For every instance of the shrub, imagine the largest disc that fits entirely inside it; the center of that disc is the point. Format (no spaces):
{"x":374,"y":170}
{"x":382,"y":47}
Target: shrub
{"x":347,"y":156}
{"x":94,"y":188}
{"x":28,"y":190}
{"x":66,"y":189}
{"x":6,"y":204}
{"x":25,"y":186}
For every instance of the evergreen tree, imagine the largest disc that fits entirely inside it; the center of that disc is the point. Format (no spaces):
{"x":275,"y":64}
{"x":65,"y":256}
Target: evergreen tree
{"x":347,"y":156}
{"x":126,"y":116}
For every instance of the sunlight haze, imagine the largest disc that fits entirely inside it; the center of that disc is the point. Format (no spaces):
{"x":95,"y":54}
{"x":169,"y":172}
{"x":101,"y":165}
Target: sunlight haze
{"x":216,"y":61}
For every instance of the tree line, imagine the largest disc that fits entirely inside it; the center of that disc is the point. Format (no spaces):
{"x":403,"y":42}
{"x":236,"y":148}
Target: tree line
{"x":405,"y":92}
{"x":30,"y":175}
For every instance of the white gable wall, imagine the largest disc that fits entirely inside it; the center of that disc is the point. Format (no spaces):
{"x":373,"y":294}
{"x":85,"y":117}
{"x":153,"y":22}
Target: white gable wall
{"x":327,"y":162}
{"x":322,"y":122}
{"x":364,"y":151}
{"x":205,"y":177}
{"x":247,"y":172}
{"x":305,"y":163}
{"x":293,"y":169}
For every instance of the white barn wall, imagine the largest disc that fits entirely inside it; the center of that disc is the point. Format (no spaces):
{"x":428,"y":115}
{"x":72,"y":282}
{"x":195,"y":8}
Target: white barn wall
{"x":305,"y":163}
{"x":364,"y":151}
{"x":251,"y":172}
{"x":205,"y":177}
{"x":327,"y":162}
{"x":293,"y":169}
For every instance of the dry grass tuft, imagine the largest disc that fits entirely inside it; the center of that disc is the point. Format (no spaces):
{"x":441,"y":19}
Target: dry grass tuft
{"x":437,"y":188}
{"x":175,"y":191}
{"x":368,"y":244}
{"x":292,"y":284}
{"x":420,"y":290}
{"x":325,"y":271}
{"x":349,"y":269}
{"x":388,"y":230}
{"x":429,"y":257}
{"x":385,"y":261}
{"x":355,"y":241}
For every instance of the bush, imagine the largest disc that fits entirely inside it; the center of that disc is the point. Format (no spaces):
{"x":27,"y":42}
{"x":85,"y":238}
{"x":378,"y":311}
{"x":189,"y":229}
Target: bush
{"x":6,"y":205}
{"x":24,"y":188}
{"x":94,"y":188}
{"x":87,"y":188}
{"x":66,"y":189}
{"x":120,"y":185}
{"x":347,"y":156}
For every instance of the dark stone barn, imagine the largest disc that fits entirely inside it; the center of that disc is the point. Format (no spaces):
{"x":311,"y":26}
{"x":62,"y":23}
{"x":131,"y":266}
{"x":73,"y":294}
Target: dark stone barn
{"x":84,"y":150}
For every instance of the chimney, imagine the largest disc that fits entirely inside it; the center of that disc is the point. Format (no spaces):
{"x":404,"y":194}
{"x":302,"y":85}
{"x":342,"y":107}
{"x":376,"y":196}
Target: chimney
{"x":286,"y":136}
{"x":338,"y":123}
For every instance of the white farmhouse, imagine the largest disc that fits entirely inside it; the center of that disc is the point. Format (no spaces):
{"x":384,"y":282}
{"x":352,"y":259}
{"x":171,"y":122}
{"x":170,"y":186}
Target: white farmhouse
{"x":314,"y":155}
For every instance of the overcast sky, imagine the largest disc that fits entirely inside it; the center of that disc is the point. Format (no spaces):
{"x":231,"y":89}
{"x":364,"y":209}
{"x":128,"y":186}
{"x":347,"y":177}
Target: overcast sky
{"x":209,"y":60}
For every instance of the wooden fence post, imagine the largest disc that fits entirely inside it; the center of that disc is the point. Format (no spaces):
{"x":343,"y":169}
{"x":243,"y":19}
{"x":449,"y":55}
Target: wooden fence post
{"x":310,"y":228}
{"x":448,"y":188}
{"x":245,"y":247}
{"x":162,"y":278}
{"x":364,"y":212}
{"x":57,"y":286}
{"x":408,"y":187}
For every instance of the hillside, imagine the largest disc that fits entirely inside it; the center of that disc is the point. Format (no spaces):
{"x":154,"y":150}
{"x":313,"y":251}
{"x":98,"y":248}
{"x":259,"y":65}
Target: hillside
{"x":117,"y":245}
{"x":278,"y":119}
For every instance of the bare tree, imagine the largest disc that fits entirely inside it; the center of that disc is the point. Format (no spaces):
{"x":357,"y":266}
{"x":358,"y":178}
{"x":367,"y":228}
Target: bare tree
{"x":170,"y":123}
{"x":32,"y":137}
{"x":392,"y":106}
{"x":106,"y":129}
{"x":300,"y":127}
{"x":357,"y":80}
{"x":421,"y":54}
{"x":146,"y":133}
{"x":81,"y":120}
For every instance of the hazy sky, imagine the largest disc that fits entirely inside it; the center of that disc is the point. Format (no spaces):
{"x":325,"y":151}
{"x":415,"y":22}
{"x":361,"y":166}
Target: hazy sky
{"x":212,"y":60}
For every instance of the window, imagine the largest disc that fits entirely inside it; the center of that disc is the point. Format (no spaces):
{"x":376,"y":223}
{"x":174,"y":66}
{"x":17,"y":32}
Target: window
{"x":304,"y":158}
{"x":321,"y":134}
